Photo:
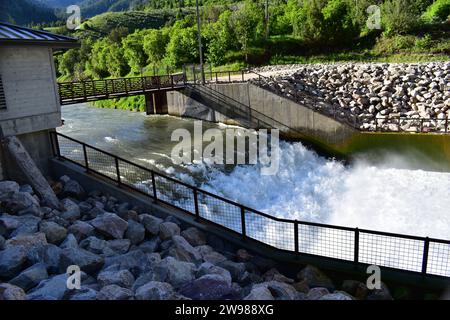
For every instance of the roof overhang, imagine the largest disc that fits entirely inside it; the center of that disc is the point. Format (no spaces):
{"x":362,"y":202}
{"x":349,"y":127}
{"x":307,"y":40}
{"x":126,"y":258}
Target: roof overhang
{"x":43,"y":43}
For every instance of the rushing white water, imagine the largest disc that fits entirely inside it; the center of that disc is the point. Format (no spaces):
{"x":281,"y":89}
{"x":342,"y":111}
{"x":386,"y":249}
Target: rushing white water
{"x":387,"y":196}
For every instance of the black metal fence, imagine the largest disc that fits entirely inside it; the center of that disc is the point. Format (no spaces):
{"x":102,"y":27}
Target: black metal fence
{"x":410,"y":253}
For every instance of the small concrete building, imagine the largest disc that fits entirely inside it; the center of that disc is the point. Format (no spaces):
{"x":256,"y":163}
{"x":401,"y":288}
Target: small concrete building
{"x":29,"y":99}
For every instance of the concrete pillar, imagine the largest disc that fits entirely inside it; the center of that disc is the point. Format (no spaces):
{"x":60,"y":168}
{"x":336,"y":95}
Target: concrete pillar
{"x":156,"y":103}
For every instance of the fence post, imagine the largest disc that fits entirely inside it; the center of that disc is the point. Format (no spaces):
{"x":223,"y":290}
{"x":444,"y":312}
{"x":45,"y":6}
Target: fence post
{"x":197,"y":211}
{"x":229,"y":76}
{"x":356,"y":244}
{"x":116,"y":160}
{"x":244,"y":231}
{"x":426,"y":248}
{"x":242,"y":75}
{"x":296,"y":236}
{"x":86,"y":163}
{"x":155,"y":196}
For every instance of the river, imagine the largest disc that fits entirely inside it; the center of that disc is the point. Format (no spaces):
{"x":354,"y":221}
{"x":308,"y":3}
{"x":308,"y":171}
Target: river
{"x":386,"y":196}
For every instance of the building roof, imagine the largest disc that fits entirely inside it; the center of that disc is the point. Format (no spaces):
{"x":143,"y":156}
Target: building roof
{"x":17,"y":35}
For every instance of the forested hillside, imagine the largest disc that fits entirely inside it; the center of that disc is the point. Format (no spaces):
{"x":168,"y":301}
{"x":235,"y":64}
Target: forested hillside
{"x":25,"y":12}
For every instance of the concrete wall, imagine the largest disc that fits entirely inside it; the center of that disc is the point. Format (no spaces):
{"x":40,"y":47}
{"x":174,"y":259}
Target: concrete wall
{"x":30,"y":87}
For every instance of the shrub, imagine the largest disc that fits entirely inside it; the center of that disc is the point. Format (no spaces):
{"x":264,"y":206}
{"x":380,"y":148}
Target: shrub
{"x":398,"y":16}
{"x":438,"y":12}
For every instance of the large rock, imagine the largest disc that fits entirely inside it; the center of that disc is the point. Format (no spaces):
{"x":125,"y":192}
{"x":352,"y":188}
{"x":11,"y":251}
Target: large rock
{"x":73,"y":189}
{"x":207,"y":287}
{"x":380,"y":294}
{"x":137,"y":262}
{"x":280,"y":290}
{"x":85,"y":293}
{"x":317,"y":293}
{"x":155,"y":290}
{"x":313,"y":277}
{"x":29,"y":224}
{"x":27,"y":241}
{"x":114,"y":292}
{"x":87,"y":261}
{"x":48,"y":255}
{"x":7,"y":189}
{"x":135,"y":232}
{"x":336,"y":296}
{"x":274,"y":275}
{"x":110,"y":225}
{"x":21,"y":203}
{"x":31,"y":277}
{"x":71,"y":210}
{"x":81,"y":230}
{"x":208,"y":268}
{"x":12,"y":261}
{"x":52,"y":289}
{"x":194,"y":236}
{"x":177,"y":273}
{"x":69,"y":242}
{"x":259,"y":293}
{"x":53,"y":232}
{"x":183,"y":251}
{"x":168,"y":229}
{"x":8,"y":224}
{"x":355,"y":288}
{"x":122,"y":278}
{"x":11,"y":292}
{"x":236,"y":269}
{"x":151,"y":223}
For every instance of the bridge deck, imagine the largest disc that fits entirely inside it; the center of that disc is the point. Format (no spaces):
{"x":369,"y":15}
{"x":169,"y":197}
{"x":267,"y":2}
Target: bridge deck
{"x":92,"y":90}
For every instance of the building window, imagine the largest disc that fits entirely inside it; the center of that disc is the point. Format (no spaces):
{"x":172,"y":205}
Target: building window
{"x":2,"y":96}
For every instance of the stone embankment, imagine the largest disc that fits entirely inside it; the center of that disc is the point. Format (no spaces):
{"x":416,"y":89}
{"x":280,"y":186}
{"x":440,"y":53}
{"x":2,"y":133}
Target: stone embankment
{"x":370,"y":96}
{"x":127,"y":253}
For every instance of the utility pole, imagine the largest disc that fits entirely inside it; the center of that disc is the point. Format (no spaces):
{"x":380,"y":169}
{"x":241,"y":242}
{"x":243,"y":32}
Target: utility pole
{"x":267,"y":18}
{"x":200,"y":49}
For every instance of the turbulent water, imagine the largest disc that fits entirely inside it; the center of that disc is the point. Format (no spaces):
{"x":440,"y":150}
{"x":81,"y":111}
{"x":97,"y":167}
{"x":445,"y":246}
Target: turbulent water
{"x":387,"y":196}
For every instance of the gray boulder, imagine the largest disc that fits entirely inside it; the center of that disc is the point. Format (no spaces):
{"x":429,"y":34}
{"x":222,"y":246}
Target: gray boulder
{"x":177,"y":273}
{"x":280,"y":290}
{"x":31,"y":277}
{"x":85,"y":293}
{"x":146,"y":278}
{"x":151,"y":245}
{"x":71,"y":210}
{"x":137,"y":262}
{"x":119,"y":246}
{"x":11,"y":292}
{"x":69,"y":242}
{"x":8,"y":224}
{"x":53,"y":232}
{"x":51,"y":289}
{"x":87,"y":261}
{"x":114,"y":292}
{"x":259,"y":293}
{"x":183,"y":251}
{"x":73,"y":189}
{"x":236,"y":269}
{"x":110,"y":225}
{"x":12,"y":261}
{"x":135,"y":232}
{"x":155,"y":290}
{"x":207,"y":287}
{"x":337,"y":295}
{"x":7,"y":189}
{"x":21,"y":203}
{"x":28,"y":225}
{"x":167,"y":230}
{"x":208,"y":268}
{"x":81,"y":230}
{"x":28,"y":241}
{"x":122,"y":278}
{"x":48,"y":255}
{"x":194,"y":236}
{"x":317,"y":293}
{"x":151,"y":223}
{"x":313,"y":277}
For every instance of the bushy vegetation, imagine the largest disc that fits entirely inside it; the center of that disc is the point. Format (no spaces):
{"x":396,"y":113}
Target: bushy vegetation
{"x":236,"y":34}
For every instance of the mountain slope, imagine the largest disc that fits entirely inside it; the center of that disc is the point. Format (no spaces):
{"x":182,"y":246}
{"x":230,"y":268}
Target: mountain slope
{"x":23,"y":12}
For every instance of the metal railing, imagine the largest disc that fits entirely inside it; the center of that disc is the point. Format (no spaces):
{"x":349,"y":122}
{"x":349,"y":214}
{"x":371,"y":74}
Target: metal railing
{"x":389,"y":123}
{"x":91,"y":90}
{"x":420,"y":255}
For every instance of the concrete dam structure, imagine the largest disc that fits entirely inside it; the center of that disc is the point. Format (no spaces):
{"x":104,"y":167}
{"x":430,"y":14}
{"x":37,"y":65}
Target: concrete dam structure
{"x":326,"y":134}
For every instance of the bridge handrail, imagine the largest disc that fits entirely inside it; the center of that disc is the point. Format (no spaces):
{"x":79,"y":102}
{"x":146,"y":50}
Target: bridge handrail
{"x":422,"y":255}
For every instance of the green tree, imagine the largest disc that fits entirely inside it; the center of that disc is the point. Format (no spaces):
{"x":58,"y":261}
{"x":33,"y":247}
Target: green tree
{"x":339,"y":26}
{"x":399,"y":16}
{"x":248,"y":25}
{"x":133,"y":50}
{"x":182,"y":47}
{"x":155,"y":43}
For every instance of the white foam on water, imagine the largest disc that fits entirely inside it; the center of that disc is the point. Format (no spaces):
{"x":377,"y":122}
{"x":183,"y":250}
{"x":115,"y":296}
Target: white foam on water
{"x":311,"y":188}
